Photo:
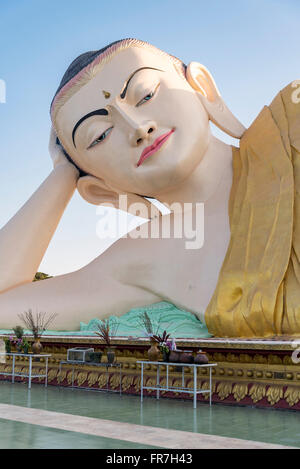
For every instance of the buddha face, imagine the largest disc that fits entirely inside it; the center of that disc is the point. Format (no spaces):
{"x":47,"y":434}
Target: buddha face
{"x":138,"y":124}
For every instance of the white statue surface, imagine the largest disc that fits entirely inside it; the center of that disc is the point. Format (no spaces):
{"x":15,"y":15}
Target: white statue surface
{"x":131,"y":121}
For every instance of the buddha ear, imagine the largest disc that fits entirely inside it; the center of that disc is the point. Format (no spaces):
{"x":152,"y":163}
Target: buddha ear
{"x":95,"y":191}
{"x":202,"y":81}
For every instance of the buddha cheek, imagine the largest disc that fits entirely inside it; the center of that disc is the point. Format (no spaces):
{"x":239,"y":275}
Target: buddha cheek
{"x":192,"y":141}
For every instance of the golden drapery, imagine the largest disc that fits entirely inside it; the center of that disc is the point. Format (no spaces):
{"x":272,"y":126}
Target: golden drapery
{"x":258,"y":290}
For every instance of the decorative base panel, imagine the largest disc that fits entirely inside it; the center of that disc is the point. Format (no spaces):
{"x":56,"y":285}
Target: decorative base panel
{"x":258,"y":373}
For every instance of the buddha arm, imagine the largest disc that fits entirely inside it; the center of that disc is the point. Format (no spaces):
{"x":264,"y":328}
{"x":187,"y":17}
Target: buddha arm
{"x":25,"y":238}
{"x":94,"y":291}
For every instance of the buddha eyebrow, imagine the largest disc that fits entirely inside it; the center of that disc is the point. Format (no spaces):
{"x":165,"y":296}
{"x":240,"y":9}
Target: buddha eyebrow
{"x":98,"y":112}
{"x":104,"y":112}
{"x":123,"y":94}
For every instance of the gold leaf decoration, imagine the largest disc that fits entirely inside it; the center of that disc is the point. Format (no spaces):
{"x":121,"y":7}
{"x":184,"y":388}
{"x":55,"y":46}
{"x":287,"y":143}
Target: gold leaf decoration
{"x":232,"y":358}
{"x":115,"y":381}
{"x":287,"y":360}
{"x":137,"y":385}
{"x":245,"y":358}
{"x":292,"y":395}
{"x":257,"y":392}
{"x":127,"y":382}
{"x":205,"y":385}
{"x":151,"y":382}
{"x":24,"y":369}
{"x":177,"y":383}
{"x":224,"y":390}
{"x":92,"y":379}
{"x":163,"y":383}
{"x":37,"y":371}
{"x":102,"y":380}
{"x":51,"y":374}
{"x":61,"y":376}
{"x":274,"y":360}
{"x":81,"y":378}
{"x":219,"y":357}
{"x":240,"y":391}
{"x":189,"y":384}
{"x":69,"y":377}
{"x":260,"y":359}
{"x":274,"y":394}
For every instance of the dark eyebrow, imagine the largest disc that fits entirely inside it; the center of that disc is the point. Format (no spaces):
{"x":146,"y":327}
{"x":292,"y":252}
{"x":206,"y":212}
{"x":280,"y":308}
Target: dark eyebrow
{"x":104,"y":112}
{"x":98,"y":112}
{"x":123,"y":94}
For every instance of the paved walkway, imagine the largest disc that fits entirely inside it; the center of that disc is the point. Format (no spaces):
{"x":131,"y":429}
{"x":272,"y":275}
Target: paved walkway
{"x":157,"y":437}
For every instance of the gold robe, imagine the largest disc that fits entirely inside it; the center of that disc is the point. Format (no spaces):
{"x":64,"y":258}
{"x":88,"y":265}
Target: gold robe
{"x":258,"y":290}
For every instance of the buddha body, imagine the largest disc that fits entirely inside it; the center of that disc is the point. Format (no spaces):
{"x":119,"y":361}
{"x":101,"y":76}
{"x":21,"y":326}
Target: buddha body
{"x":133,"y":121}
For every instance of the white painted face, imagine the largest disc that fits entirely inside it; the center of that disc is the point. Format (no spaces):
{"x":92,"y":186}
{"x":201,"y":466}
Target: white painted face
{"x":151,"y":137}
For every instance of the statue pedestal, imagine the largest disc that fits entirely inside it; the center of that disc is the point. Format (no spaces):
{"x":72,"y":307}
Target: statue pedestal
{"x":257,"y":372}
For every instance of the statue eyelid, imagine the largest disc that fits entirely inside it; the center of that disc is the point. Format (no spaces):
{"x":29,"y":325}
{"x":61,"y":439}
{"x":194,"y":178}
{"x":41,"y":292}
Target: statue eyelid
{"x":97,"y":141}
{"x":144,"y":100}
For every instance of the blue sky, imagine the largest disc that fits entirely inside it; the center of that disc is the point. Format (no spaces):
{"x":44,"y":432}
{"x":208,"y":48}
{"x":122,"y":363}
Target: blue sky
{"x":250,"y":46}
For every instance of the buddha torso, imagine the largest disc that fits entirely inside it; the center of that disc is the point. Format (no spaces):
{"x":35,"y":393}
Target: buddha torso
{"x":185,"y":277}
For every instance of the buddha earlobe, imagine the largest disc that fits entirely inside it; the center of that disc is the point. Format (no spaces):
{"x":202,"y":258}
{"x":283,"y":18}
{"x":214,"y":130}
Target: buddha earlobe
{"x":202,"y":81}
{"x":95,"y":191}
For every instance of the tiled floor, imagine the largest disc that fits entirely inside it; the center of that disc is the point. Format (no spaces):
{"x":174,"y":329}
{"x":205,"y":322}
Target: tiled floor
{"x":19,"y":435}
{"x":269,"y":426}
{"x":126,"y":432}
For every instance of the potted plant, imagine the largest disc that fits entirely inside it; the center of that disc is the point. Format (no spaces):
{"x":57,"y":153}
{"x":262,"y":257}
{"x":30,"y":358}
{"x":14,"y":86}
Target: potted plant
{"x":25,"y":346}
{"x":150,"y":329}
{"x":163,"y":344}
{"x":106,"y":330}
{"x":19,"y":332}
{"x":8,"y":341}
{"x":37,"y":325}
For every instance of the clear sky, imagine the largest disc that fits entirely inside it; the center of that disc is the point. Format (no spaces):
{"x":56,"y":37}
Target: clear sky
{"x":250,"y":46}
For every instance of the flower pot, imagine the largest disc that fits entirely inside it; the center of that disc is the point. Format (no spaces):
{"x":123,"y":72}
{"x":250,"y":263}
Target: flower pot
{"x":201,"y":358}
{"x":97,"y":357}
{"x":166,"y":356}
{"x":174,"y":356}
{"x":37,"y":347}
{"x":111,"y":355}
{"x":153,"y":352}
{"x":186,"y":356}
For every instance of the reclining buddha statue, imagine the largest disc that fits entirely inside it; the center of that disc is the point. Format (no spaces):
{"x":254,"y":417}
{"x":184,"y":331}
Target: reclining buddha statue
{"x":131,"y":120}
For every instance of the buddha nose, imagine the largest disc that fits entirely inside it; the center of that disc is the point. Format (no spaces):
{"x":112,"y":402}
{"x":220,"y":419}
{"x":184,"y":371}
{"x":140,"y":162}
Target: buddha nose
{"x":138,"y":132}
{"x":142,"y":133}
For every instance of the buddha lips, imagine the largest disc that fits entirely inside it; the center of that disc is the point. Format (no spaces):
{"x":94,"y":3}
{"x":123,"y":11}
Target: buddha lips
{"x":148,"y":151}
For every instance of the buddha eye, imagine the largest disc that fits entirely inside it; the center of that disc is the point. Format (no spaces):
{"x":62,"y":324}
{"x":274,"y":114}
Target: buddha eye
{"x":148,"y":97}
{"x":101,"y":138}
